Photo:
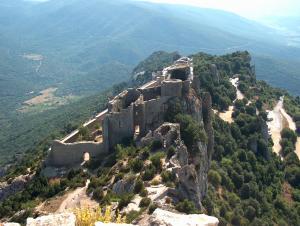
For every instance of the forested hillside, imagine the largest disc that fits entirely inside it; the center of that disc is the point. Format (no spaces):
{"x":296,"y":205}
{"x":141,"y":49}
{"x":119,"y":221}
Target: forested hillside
{"x":248,"y":183}
{"x":79,"y":48}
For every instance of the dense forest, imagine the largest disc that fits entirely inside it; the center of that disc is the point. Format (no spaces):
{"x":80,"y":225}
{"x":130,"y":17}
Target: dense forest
{"x":248,"y":183}
{"x":54,"y":44}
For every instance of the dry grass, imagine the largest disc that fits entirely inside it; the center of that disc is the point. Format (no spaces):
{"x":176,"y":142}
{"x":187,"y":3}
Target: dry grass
{"x":45,"y":96}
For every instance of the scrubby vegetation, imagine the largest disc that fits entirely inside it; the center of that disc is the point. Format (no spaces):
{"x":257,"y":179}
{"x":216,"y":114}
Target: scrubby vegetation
{"x":248,"y":181}
{"x":248,"y":184}
{"x":39,"y":189}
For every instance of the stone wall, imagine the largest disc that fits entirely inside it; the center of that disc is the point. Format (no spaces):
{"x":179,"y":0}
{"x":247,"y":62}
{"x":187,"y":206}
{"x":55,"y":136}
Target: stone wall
{"x":97,"y":121}
{"x":117,"y":126}
{"x":171,"y":88}
{"x":151,"y":93}
{"x":153,"y":114}
{"x":133,"y":110}
{"x":70,"y":154}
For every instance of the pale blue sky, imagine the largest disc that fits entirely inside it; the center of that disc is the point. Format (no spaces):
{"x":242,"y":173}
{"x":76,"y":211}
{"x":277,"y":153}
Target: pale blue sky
{"x":253,"y":9}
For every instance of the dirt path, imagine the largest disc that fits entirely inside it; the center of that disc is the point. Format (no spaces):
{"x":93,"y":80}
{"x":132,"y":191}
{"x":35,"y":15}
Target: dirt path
{"x":235,"y":83}
{"x":276,"y":125}
{"x":298,"y":148}
{"x":68,"y":202}
{"x":280,"y":120}
{"x":76,"y":199}
{"x":227,"y":115}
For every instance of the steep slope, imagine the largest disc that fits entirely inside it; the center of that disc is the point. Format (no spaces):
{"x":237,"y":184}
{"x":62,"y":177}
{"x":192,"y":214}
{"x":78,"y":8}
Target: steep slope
{"x":166,"y":169}
{"x":86,"y":48}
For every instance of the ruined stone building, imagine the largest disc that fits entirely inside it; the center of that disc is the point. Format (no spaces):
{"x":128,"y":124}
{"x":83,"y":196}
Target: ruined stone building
{"x":132,"y":113}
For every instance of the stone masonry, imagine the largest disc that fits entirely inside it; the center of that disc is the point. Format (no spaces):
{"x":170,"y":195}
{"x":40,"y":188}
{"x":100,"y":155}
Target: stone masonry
{"x":132,"y":113}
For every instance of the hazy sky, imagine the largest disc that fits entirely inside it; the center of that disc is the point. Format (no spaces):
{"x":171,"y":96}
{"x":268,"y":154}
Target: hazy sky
{"x":254,"y":9}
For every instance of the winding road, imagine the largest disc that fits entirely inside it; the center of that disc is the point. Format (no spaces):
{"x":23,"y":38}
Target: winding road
{"x":279,"y":120}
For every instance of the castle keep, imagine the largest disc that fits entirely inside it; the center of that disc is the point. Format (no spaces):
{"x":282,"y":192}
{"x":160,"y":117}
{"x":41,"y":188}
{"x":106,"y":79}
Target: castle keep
{"x":132,"y":113}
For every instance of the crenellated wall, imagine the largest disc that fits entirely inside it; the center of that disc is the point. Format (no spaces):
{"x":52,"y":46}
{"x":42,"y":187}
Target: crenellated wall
{"x":132,"y":113}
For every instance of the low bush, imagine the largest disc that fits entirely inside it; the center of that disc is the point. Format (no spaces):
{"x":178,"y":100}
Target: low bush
{"x":136,"y":165}
{"x":152,"y":208}
{"x":186,"y":206}
{"x":139,"y":186}
{"x":145,"y":202}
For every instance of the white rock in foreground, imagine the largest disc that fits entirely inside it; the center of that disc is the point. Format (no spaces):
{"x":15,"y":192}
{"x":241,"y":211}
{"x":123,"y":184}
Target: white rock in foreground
{"x":165,"y":218}
{"x":11,"y":224}
{"x":111,"y":224}
{"x":65,"y":219}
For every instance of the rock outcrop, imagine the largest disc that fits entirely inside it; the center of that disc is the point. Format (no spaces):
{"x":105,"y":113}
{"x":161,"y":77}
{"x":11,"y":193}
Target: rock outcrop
{"x":65,"y":219}
{"x":111,"y":224}
{"x":215,"y":73}
{"x":16,"y":185}
{"x":166,"y":218}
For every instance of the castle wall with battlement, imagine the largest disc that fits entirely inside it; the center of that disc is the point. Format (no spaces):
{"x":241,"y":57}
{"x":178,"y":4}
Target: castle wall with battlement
{"x":134,"y":112}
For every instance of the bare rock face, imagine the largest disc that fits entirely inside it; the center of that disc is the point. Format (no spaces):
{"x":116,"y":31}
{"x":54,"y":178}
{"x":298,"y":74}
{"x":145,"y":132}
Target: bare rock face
{"x":189,"y":184}
{"x":65,"y":219}
{"x":215,"y":73}
{"x":16,"y":185}
{"x":165,"y":218}
{"x":192,"y":169}
{"x":167,"y":133}
{"x":123,"y":186}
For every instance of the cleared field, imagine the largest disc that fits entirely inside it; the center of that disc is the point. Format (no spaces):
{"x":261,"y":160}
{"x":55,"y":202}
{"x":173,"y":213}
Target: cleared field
{"x":44,"y":96}
{"x":33,"y":56}
{"x":45,"y":100}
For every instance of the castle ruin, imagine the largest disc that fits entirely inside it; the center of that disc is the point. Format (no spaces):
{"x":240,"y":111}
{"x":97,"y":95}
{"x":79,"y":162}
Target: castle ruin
{"x":132,"y":113}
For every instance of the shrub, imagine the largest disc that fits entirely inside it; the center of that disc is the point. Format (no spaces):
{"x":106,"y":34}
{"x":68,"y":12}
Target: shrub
{"x":125,"y":199}
{"x":139,"y":186}
{"x":156,"y":145}
{"x":149,"y":173}
{"x":190,"y":130}
{"x":167,"y":176}
{"x":124,"y":152}
{"x":136,"y":165}
{"x":145,"y":202}
{"x":132,"y":215}
{"x":152,"y":208}
{"x":214,"y":178}
{"x":144,"y":193}
{"x":155,"y":182}
{"x":289,"y":134}
{"x":88,"y":216}
{"x":98,"y":194}
{"x":296,"y":195}
{"x":170,"y":152}
{"x":186,"y":206}
{"x":156,"y":160}
{"x":145,"y":154}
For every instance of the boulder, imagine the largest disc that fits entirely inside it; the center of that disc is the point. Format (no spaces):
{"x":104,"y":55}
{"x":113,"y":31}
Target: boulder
{"x":166,"y":218}
{"x":65,"y":219}
{"x":10,"y":224}
{"x":111,"y":224}
{"x":124,"y":186}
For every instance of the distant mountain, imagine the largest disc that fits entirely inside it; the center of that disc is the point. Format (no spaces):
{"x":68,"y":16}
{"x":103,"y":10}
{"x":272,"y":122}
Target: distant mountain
{"x":287,"y":26}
